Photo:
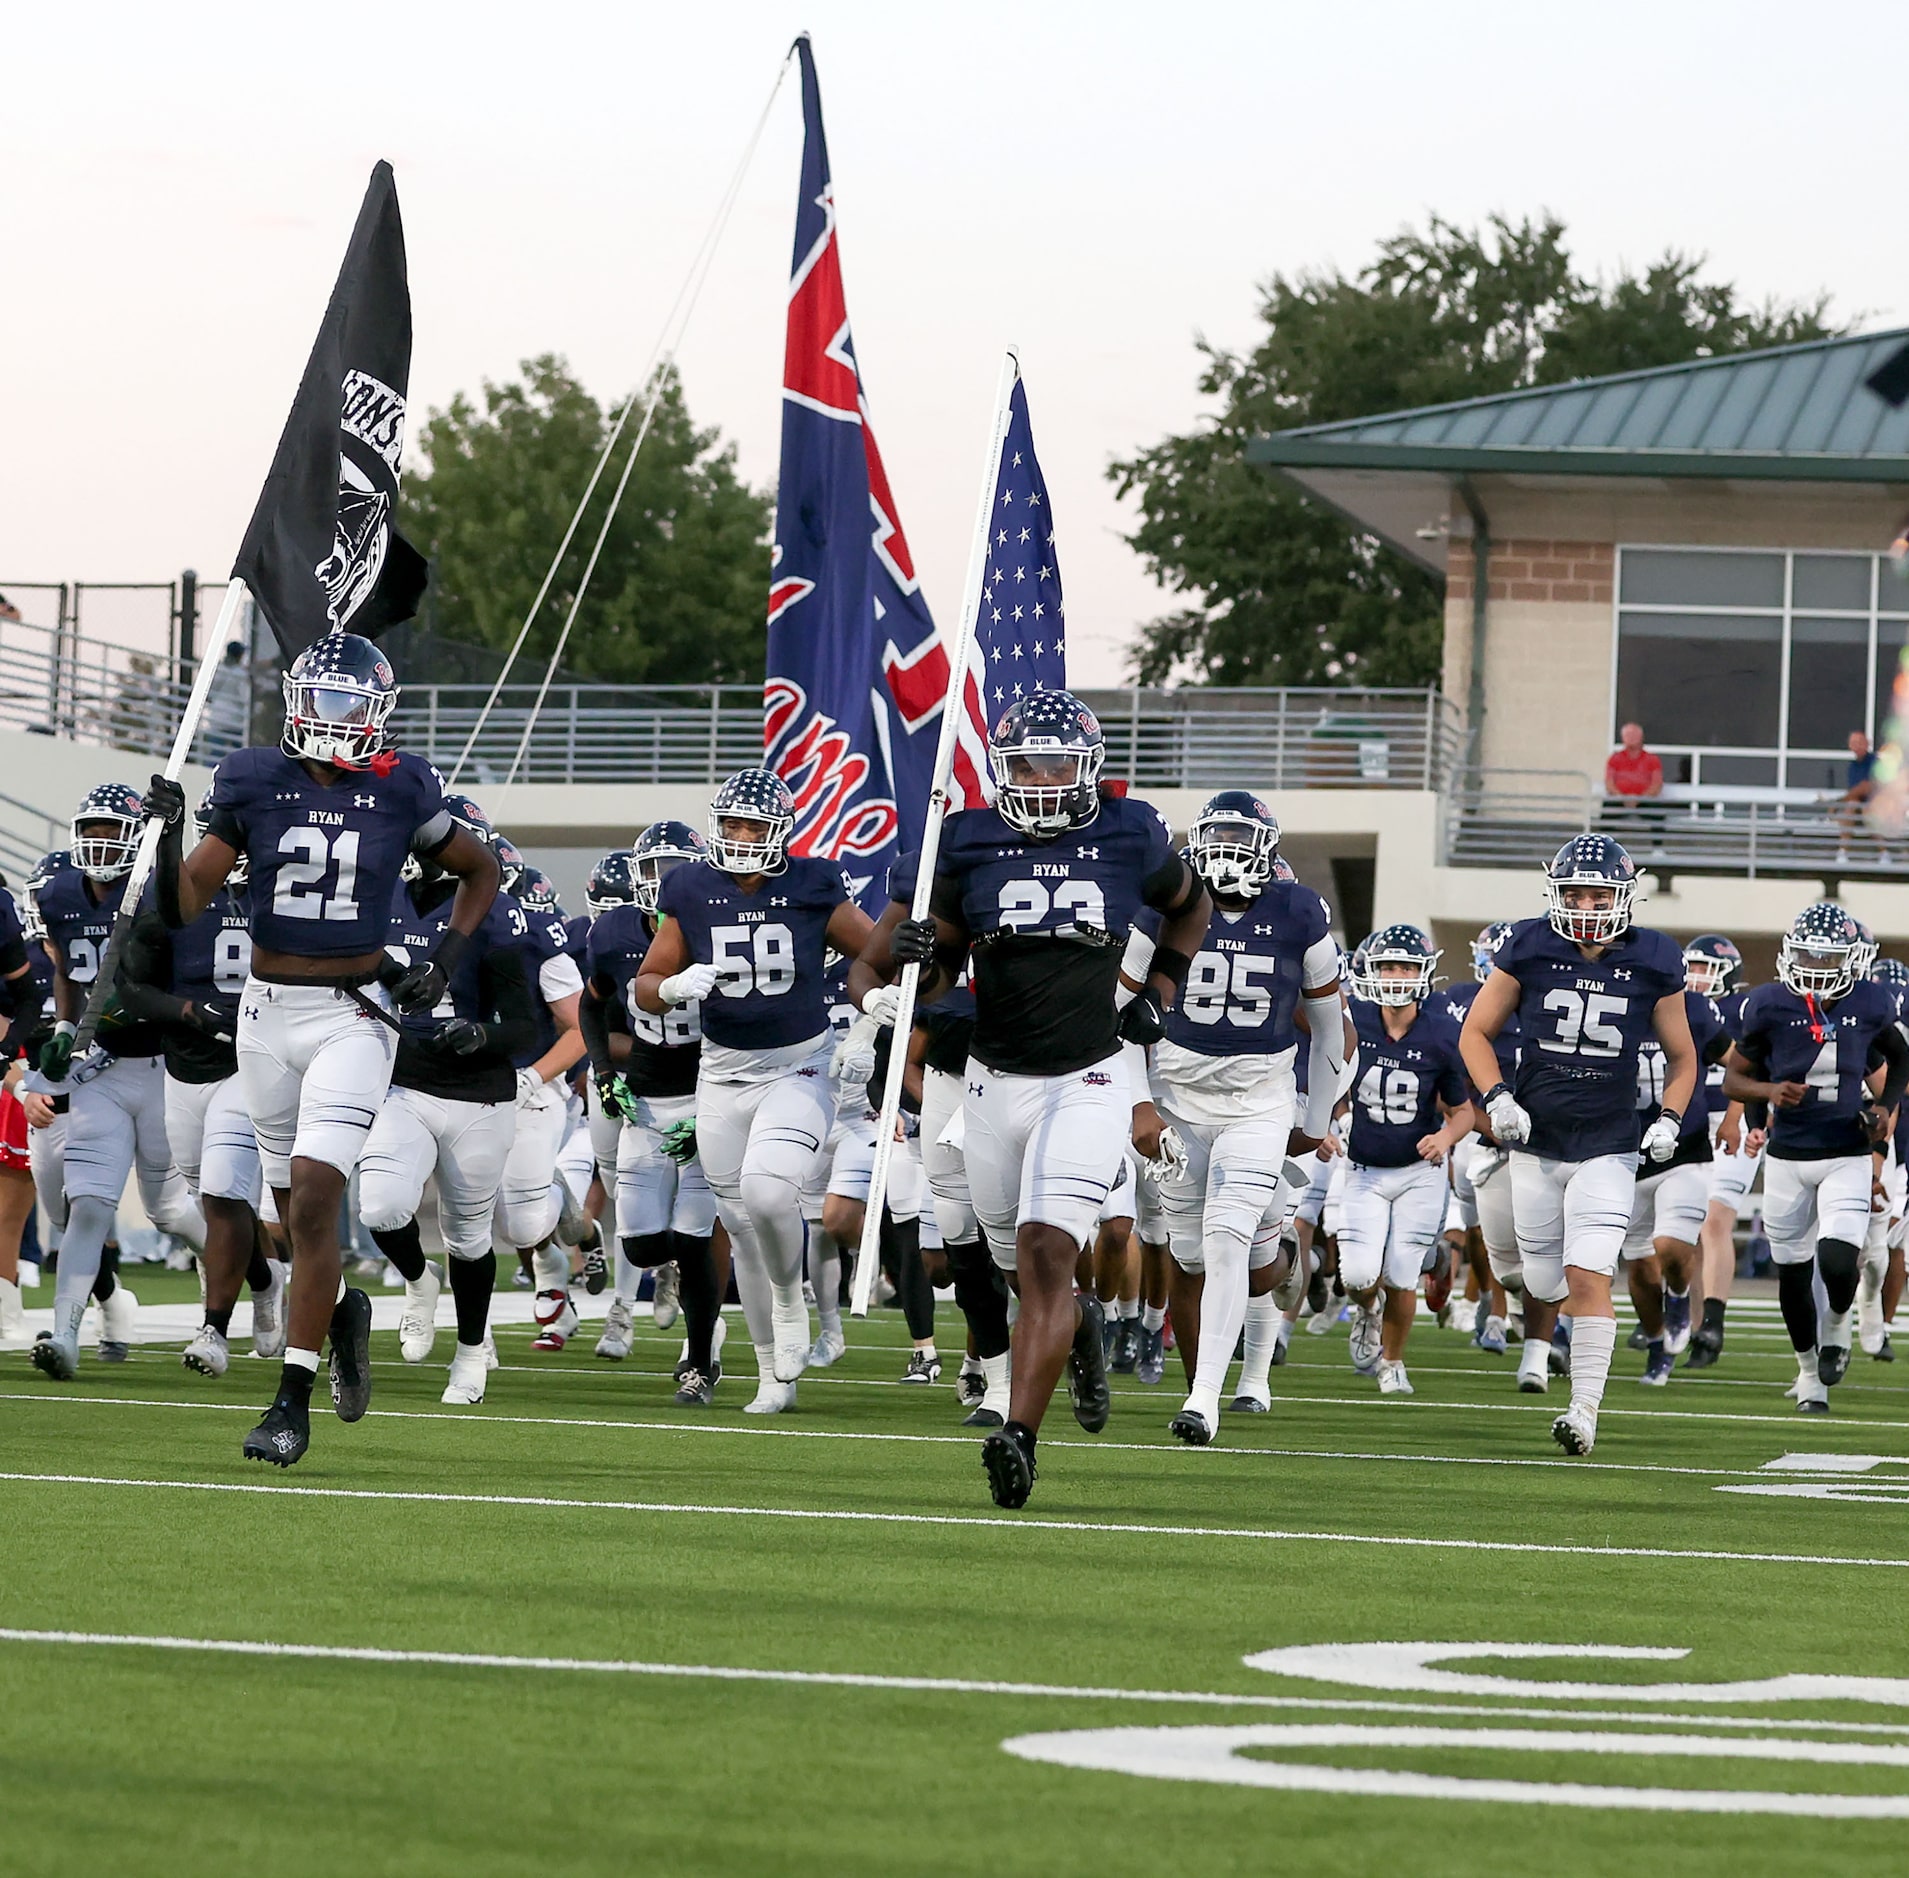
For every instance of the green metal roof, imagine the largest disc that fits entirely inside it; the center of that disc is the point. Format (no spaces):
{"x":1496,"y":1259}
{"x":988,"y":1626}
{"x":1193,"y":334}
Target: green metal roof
{"x":1794,"y":413}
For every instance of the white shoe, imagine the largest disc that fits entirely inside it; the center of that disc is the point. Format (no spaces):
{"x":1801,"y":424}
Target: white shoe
{"x":1368,"y":1325}
{"x":1534,"y":1370}
{"x":772,"y":1398}
{"x":208,"y":1352}
{"x":1575,"y":1431}
{"x":792,"y":1334}
{"x":118,"y":1318}
{"x":556,"y":1320}
{"x":666,"y":1302}
{"x":619,"y":1333}
{"x":14,"y":1334}
{"x":1322,"y":1321}
{"x":417,"y":1328}
{"x":490,"y":1353}
{"x":470,"y":1368}
{"x":268,"y":1312}
{"x":1393,"y":1379}
{"x":828,"y":1348}
{"x":1812,"y":1395}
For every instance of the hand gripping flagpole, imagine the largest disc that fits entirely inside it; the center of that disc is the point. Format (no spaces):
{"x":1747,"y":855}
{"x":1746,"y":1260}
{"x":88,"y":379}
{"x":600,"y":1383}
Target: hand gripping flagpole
{"x":953,"y":715}
{"x":108,"y":972}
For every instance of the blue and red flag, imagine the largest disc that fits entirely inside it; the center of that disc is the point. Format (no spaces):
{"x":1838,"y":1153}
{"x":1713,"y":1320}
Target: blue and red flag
{"x":857,"y":673}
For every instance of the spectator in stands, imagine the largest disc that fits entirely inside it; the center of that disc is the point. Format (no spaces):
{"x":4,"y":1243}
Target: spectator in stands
{"x":7,"y":609}
{"x":1632,"y":776}
{"x":1859,"y":784}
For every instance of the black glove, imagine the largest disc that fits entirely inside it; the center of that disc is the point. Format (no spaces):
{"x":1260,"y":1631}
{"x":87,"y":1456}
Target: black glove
{"x":220,"y":1025}
{"x":1875,"y":1124}
{"x":1143,"y":1021}
{"x":419,"y":988}
{"x":914,"y":942}
{"x":462,"y":1036}
{"x":165,"y":800}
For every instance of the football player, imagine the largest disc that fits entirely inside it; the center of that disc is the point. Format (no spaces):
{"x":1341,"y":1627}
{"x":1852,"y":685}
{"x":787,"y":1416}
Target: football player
{"x":1800,"y":1067}
{"x":326,"y":822}
{"x":747,"y":933}
{"x":18,"y":998}
{"x":1587,"y":987}
{"x":116,"y":1121}
{"x":188,"y":983}
{"x":1882,"y":1285}
{"x":1045,"y":886}
{"x":1410,"y":1077}
{"x":451,"y":1112}
{"x":1222,"y":1082}
{"x":665,"y":1212}
{"x":1713,"y":968}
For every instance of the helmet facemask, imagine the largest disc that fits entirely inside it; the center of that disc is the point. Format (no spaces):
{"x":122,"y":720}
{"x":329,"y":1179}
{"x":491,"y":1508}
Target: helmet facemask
{"x":1384,"y":975}
{"x":335,"y":719}
{"x":1597,"y":925}
{"x":1044,"y":786}
{"x":1233,"y":856}
{"x":1817,"y":968}
{"x":107,"y":854}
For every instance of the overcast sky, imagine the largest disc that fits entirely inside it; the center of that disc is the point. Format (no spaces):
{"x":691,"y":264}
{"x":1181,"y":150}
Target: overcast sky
{"x":1095,"y":184}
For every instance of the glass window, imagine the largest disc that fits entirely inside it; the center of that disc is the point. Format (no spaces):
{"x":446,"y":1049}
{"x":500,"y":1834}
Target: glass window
{"x":1683,"y":577}
{"x":1829,"y":682}
{"x":1891,"y":635}
{"x":1756,"y":771}
{"x":1692,"y":678}
{"x":1816,"y":772}
{"x":1892,"y":587}
{"x":1838,"y":582}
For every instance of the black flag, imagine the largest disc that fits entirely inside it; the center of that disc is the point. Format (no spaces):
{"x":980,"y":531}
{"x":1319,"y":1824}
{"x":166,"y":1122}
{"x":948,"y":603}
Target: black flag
{"x":323,"y":551}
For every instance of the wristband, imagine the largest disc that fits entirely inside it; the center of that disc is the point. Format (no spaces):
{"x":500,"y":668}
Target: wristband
{"x":1172,"y":963}
{"x":66,"y":1028}
{"x":1666,"y":1112}
{"x":1497,"y":1089}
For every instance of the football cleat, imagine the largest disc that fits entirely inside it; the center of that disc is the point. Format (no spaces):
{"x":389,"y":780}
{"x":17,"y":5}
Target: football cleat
{"x":923,"y":1366}
{"x":118,"y":1318}
{"x":417,"y":1328}
{"x":1639,"y":1339}
{"x":1676,"y":1322}
{"x":208,"y":1352}
{"x":283,"y":1434}
{"x":984,"y":1417}
{"x":1575,"y":1431}
{"x":717,"y":1338}
{"x":619,"y":1333}
{"x":829,"y":1347}
{"x":350,"y":1368}
{"x":268,"y":1312}
{"x":56,"y":1357}
{"x":1393,"y":1379}
{"x":596,"y":1265}
{"x":1657,"y":1367}
{"x":771,"y":1398}
{"x":470,"y":1370}
{"x":1832,"y":1363}
{"x":1087,"y":1389}
{"x":1008,"y":1457}
{"x":1706,"y":1346}
{"x":1492,"y":1338}
{"x":666,"y":1301}
{"x":1812,"y":1397}
{"x":13,"y":1318}
{"x":556,"y":1320}
{"x":971,"y":1384}
{"x":1191,"y":1427}
{"x":790,"y":1318}
{"x":1250,"y":1405}
{"x":1885,"y":1351}
{"x":1368,"y":1324}
{"x":1558,"y":1357}
{"x":1150,"y":1356}
{"x":695,"y":1390}
{"x":572,"y":1227}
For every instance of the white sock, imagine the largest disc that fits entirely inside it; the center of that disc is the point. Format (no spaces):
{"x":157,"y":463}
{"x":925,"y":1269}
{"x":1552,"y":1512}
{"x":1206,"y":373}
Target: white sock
{"x":1266,"y":1330}
{"x":1835,"y":1329}
{"x":1153,"y":1317}
{"x":1534,"y":1356}
{"x":1806,"y":1364}
{"x":1222,"y":1313}
{"x":825,"y":1270}
{"x":629,"y":1278}
{"x":995,"y":1370}
{"x":9,"y":1297}
{"x":1126,"y":1307}
{"x":1285,"y":1334}
{"x":551,"y":1264}
{"x":302,"y":1359}
{"x":1592,"y":1341}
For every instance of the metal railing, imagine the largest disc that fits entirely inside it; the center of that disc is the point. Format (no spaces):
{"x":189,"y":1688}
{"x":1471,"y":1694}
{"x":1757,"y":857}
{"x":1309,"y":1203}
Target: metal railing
{"x":1520,"y":818}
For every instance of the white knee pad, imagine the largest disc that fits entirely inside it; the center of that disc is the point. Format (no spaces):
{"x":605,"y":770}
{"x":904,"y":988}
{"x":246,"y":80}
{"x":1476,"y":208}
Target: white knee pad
{"x":1544,"y":1277}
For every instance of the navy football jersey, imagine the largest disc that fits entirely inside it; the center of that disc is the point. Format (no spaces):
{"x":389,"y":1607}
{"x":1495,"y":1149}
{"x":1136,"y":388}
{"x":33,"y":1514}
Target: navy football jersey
{"x":542,"y":936}
{"x":664,"y":1051}
{"x":1048,"y":921}
{"x":1728,"y":1010}
{"x":1583,"y":1022}
{"x":1707,"y":1033}
{"x":770,"y":946}
{"x":413,"y":934}
{"x":1455,"y":1003}
{"x":77,"y":929}
{"x":325,"y":859}
{"x":211,"y":960}
{"x":1829,"y":1048}
{"x":1401,"y":1082}
{"x":1247,"y":977}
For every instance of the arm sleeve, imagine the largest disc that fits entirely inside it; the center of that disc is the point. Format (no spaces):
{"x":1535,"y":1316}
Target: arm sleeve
{"x":145,"y":967}
{"x":596,"y":1031}
{"x":513,"y":1027}
{"x":1319,"y":966}
{"x":1895,"y":1052}
{"x":1325,"y":1061}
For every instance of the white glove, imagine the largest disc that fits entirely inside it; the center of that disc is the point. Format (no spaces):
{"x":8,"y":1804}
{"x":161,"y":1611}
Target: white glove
{"x":1170,"y":1163}
{"x":1660,"y":1138}
{"x":854,"y":1060}
{"x":1509,"y":1122}
{"x":690,"y":984}
{"x":883,"y":1004}
{"x":530,"y":1089}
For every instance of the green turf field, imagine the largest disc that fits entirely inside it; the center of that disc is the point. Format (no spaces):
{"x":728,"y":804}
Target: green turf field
{"x":580,"y":1521}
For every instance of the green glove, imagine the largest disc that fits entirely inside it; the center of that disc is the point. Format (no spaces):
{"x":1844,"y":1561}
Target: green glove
{"x":679,"y":1141}
{"x":56,"y":1054}
{"x":619,"y":1101}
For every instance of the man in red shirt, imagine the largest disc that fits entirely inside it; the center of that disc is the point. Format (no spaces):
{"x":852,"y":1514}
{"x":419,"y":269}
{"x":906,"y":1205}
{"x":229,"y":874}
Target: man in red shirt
{"x":1632,"y":775}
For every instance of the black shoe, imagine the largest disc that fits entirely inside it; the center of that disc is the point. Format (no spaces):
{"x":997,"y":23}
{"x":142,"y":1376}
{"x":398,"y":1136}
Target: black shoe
{"x":283,"y":1434}
{"x":1832,"y":1364}
{"x":1279,"y":1353}
{"x":923,"y":1366}
{"x":1126,"y":1356}
{"x":983,"y":1417}
{"x":596,"y":1266}
{"x":1087,"y":1387}
{"x":1316,"y":1291}
{"x":350,"y":1356}
{"x":1705,"y":1348}
{"x":1558,"y":1359}
{"x":970,"y":1387}
{"x":1248,"y":1405}
{"x":1887,"y":1352}
{"x":1009,"y":1459}
{"x":697,"y":1390}
{"x":1637,"y":1340}
{"x":1190,"y":1426}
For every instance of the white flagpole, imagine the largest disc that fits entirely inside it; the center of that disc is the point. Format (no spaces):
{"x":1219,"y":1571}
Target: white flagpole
{"x":953,"y":714}
{"x":209,"y":661}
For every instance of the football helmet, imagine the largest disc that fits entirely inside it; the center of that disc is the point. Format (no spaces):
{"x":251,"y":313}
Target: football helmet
{"x":201,"y":823}
{"x":1892,"y":974}
{"x":1282,"y":869}
{"x":751,"y":795}
{"x":35,"y":884}
{"x":537,"y":891}
{"x":612,"y":882}
{"x":115,"y":807}
{"x":1591,"y":861}
{"x":1045,"y":755}
{"x":1866,"y":955}
{"x":512,"y":865}
{"x":1711,"y":964}
{"x":1485,"y":947}
{"x":1394,"y":946}
{"x":1233,"y":844}
{"x":1822,"y":953}
{"x":660,"y":847}
{"x":339,"y":694}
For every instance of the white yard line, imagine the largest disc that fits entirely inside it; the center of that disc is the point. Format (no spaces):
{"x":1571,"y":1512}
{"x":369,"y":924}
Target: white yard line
{"x":832,"y":1515}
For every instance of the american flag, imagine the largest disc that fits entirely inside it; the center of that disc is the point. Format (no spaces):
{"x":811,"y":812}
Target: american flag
{"x":1020,"y":636}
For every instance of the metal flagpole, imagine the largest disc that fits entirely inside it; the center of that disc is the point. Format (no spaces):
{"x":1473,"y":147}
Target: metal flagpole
{"x":209,"y":660}
{"x":953,"y":712}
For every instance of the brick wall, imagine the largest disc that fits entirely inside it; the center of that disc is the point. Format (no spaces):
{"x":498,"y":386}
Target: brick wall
{"x":1563,"y":572}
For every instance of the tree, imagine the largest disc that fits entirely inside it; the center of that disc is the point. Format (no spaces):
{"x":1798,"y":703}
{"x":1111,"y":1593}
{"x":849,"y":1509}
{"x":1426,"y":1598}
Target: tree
{"x":1281,"y":592}
{"x":678,"y":596}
